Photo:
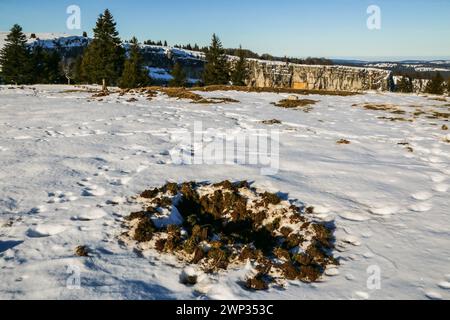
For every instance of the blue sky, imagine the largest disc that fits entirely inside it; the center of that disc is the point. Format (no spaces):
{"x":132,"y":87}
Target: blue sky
{"x":327,"y":28}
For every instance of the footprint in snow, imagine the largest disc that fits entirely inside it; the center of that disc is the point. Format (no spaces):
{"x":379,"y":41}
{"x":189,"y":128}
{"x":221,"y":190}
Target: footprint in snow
{"x":438,"y":178}
{"x":422,"y":195}
{"x":421,"y":207}
{"x":361,"y":295}
{"x":444,"y":285}
{"x":384,"y":211}
{"x":441,"y":187}
{"x":120,"y":181}
{"x":93,"y":191}
{"x":432,"y":295}
{"x":43,"y":231}
{"x":351,"y":216}
{"x":89,"y":215}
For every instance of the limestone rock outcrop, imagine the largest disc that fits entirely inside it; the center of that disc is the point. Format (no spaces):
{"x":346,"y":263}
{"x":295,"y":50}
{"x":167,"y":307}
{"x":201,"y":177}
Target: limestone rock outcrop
{"x":315,"y":77}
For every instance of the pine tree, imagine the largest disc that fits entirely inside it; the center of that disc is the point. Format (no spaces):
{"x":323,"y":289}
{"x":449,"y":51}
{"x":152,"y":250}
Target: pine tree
{"x":179,"y":76}
{"x":134,"y":75}
{"x":15,"y":58}
{"x":405,"y":85}
{"x":78,"y":70}
{"x":104,"y":57}
{"x":165,"y":43}
{"x":436,"y":85}
{"x":240,"y":72}
{"x":216,"y":68}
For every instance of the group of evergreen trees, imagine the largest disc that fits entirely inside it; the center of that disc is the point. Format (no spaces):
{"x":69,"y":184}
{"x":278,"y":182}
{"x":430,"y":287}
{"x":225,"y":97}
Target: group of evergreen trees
{"x":23,"y":65}
{"x":218,"y":70}
{"x":437,"y":85}
{"x":405,"y":85}
{"x":105,"y":61}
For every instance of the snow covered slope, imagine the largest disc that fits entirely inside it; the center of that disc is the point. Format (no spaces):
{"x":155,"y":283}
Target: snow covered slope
{"x":65,"y":161}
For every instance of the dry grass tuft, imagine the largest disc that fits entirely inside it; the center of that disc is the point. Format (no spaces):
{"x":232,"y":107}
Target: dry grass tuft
{"x":293,"y":104}
{"x":343,"y":141}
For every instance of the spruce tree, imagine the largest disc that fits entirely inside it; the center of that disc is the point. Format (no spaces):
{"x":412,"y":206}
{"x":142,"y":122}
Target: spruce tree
{"x":104,"y":57}
{"x":240,"y":72}
{"x":15,"y":58}
{"x":436,"y":85}
{"x":179,"y":76}
{"x":216,"y":68}
{"x":134,"y":75}
{"x":405,"y":85}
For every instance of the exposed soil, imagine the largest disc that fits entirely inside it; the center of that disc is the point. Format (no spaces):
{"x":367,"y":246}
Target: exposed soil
{"x":226,"y":224}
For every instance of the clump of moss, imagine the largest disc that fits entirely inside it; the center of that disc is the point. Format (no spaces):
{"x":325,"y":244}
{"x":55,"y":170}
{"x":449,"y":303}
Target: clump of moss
{"x":229,"y":223}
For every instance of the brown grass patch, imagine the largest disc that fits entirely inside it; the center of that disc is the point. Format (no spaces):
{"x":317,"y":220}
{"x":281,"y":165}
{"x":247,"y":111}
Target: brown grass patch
{"x":82,"y":251}
{"x":304,"y":104}
{"x":396,"y":119}
{"x":274,"y":90}
{"x":343,"y":141}
{"x":271,"y":122}
{"x":443,"y":99}
{"x":226,"y":224}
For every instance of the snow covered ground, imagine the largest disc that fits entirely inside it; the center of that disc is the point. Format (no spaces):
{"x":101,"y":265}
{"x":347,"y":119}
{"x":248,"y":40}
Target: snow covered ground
{"x":67,"y":158}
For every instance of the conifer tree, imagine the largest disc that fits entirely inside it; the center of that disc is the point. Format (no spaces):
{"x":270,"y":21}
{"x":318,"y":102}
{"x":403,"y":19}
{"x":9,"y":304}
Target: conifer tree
{"x":104,"y":57}
{"x":134,"y":75}
{"x":15,"y":58}
{"x":436,"y":85}
{"x":405,"y":85}
{"x":179,"y":76}
{"x":216,"y":68}
{"x":240,"y":72}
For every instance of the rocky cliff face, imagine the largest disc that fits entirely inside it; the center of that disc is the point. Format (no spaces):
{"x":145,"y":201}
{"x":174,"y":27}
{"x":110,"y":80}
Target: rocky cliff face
{"x":160,"y":60}
{"x":282,"y":75}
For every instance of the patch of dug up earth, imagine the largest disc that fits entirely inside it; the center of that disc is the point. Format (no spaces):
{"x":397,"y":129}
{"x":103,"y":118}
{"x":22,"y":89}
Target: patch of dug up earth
{"x":224,"y":225}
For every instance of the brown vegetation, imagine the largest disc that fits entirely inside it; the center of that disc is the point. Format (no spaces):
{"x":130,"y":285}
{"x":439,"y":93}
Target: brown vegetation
{"x":229,"y":223}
